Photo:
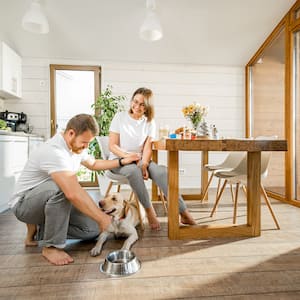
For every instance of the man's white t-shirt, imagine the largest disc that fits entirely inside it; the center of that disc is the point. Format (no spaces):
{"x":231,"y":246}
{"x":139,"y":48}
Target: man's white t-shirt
{"x":52,"y":156}
{"x":133,"y":133}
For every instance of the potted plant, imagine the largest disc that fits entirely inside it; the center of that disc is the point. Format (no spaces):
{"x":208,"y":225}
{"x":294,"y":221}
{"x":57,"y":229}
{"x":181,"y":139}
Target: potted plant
{"x":106,"y":106}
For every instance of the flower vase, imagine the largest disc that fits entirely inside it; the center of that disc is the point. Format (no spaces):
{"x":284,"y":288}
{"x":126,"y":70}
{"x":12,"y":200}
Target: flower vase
{"x":195,"y":128}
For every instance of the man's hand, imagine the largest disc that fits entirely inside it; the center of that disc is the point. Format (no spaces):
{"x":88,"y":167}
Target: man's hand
{"x":105,"y":222}
{"x":131,"y":157}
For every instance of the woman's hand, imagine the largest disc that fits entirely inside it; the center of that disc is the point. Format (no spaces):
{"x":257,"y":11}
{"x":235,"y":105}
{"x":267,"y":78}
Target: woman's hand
{"x":144,"y":167}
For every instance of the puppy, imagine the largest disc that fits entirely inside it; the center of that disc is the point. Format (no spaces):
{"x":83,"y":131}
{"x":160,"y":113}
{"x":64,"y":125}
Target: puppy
{"x":125,"y":219}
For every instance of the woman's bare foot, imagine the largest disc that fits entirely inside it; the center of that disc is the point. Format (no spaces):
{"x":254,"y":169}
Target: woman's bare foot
{"x":152,"y":219}
{"x":31,"y":231}
{"x":57,"y":256}
{"x":186,"y":218}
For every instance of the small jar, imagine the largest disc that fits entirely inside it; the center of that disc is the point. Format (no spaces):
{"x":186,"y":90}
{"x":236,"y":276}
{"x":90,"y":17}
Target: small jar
{"x":163,"y":131}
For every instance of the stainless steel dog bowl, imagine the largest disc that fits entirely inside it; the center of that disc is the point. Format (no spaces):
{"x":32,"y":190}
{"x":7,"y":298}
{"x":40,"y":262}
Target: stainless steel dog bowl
{"x":120,"y":263}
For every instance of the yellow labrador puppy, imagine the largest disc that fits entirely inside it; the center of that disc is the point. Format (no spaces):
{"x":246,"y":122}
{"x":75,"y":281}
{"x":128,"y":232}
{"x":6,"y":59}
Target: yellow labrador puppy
{"x":125,"y":219}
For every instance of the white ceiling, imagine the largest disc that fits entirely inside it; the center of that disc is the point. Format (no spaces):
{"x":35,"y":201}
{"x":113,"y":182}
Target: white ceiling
{"x":210,"y":32}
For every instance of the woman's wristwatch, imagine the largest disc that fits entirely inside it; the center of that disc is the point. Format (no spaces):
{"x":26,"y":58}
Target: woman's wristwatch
{"x":120,"y":162}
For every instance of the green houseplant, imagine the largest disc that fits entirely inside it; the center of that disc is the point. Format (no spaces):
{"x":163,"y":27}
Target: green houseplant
{"x":106,"y":106}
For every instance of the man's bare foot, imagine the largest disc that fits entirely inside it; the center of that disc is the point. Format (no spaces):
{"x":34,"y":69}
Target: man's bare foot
{"x":186,"y":218}
{"x":152,"y":219}
{"x":31,"y":231}
{"x":57,"y":256}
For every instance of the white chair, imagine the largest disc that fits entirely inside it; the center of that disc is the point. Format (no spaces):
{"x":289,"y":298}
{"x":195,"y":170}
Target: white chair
{"x":238,"y":176}
{"x":230,"y":162}
{"x":115,"y":179}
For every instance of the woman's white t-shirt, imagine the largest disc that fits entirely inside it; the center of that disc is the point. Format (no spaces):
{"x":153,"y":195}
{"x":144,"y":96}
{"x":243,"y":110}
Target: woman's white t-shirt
{"x":133,"y":133}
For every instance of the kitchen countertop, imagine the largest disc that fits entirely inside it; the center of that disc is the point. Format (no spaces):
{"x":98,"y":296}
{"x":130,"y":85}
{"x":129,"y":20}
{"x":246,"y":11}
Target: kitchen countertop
{"x":18,"y":133}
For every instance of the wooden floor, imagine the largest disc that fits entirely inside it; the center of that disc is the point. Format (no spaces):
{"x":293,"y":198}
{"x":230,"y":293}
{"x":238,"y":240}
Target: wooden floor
{"x":266,"y":267}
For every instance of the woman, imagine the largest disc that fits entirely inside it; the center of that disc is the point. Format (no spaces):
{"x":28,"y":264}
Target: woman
{"x":133,"y":132}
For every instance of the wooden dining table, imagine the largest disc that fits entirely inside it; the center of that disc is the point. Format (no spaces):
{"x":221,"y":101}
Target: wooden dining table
{"x":252,"y":147}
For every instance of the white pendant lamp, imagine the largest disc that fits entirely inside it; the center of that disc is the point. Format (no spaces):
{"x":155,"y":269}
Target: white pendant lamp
{"x":151,"y":29}
{"x":35,"y":19}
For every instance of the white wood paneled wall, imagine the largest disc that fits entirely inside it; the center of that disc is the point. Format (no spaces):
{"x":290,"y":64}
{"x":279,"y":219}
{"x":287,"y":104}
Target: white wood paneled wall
{"x":221,"y":88}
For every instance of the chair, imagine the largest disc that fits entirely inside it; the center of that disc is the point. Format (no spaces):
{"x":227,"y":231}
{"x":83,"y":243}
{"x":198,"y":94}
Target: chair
{"x":230,"y":162}
{"x":238,"y":176}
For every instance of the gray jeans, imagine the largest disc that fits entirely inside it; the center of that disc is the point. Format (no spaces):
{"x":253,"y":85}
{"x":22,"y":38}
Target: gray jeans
{"x":158,"y":173}
{"x":47,"y":206}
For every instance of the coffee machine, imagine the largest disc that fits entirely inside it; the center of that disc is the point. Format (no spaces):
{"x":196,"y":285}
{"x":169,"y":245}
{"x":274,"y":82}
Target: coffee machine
{"x":13,"y":119}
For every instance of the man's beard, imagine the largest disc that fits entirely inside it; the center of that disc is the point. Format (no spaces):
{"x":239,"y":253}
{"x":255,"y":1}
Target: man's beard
{"x":74,"y":148}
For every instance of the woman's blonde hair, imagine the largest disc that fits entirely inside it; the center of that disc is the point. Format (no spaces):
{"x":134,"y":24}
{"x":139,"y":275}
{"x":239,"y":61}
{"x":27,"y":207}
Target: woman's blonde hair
{"x":149,"y":109}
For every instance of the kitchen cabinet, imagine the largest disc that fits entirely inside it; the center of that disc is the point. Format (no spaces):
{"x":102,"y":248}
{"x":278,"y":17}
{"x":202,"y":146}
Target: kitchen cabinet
{"x":10,"y":73}
{"x":14,"y":151}
{"x":34,"y":142}
{"x":13,"y":157}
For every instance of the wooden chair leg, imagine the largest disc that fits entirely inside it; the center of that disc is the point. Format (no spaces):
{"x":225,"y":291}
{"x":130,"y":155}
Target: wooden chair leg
{"x":218,"y":198}
{"x":131,"y":196}
{"x":218,"y":188}
{"x":163,"y":199}
{"x":235,"y":201}
{"x":207,"y":186}
{"x":139,"y":210}
{"x":244,"y":190}
{"x":269,"y":205}
{"x":118,"y":188}
{"x":108,"y":188}
{"x":232,"y":193}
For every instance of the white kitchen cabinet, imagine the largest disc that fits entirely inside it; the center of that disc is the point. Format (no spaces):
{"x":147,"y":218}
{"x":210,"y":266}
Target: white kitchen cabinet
{"x":34,"y":142}
{"x":10,"y":73}
{"x":13,"y":157}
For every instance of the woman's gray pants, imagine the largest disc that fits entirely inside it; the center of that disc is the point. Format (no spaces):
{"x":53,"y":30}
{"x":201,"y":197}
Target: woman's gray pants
{"x":158,"y":173}
{"x":47,"y":206}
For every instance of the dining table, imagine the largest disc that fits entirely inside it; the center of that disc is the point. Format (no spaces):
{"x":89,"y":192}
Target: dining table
{"x":253,"y":147}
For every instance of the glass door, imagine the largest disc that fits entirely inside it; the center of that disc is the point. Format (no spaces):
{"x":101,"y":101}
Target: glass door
{"x":267,"y":105}
{"x":296,"y":120}
{"x":74,"y":90}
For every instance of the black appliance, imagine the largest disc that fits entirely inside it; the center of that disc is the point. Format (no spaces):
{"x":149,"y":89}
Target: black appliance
{"x":13,"y":119}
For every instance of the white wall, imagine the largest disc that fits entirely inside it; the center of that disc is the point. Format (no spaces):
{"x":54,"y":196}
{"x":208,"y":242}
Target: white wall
{"x":221,"y":88}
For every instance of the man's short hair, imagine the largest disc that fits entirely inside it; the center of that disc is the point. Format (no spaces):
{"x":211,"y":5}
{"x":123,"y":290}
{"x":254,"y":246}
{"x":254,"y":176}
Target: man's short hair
{"x":82,"y":123}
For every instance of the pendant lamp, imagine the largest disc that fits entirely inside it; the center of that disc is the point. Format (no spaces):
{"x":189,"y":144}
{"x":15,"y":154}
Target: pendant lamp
{"x":151,"y":29}
{"x":35,"y":19}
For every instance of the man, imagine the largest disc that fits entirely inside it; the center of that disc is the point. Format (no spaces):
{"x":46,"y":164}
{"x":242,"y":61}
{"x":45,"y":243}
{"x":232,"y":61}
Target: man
{"x":49,"y":195}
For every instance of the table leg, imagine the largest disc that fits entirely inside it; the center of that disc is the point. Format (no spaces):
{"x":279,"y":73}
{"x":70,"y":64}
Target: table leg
{"x":173,"y":193}
{"x":154,"y":186}
{"x":253,"y":192}
{"x":204,"y":173}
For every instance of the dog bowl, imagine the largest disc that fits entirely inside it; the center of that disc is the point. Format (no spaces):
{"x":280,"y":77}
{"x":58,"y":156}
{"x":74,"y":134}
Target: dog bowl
{"x":120,"y":263}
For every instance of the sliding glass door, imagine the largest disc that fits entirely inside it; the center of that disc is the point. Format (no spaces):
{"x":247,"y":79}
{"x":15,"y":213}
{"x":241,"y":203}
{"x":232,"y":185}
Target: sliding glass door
{"x":267,"y":105}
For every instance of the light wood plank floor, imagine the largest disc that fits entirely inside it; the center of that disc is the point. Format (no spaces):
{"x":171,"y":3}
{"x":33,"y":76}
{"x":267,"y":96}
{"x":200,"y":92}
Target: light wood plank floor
{"x":266,"y":267}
